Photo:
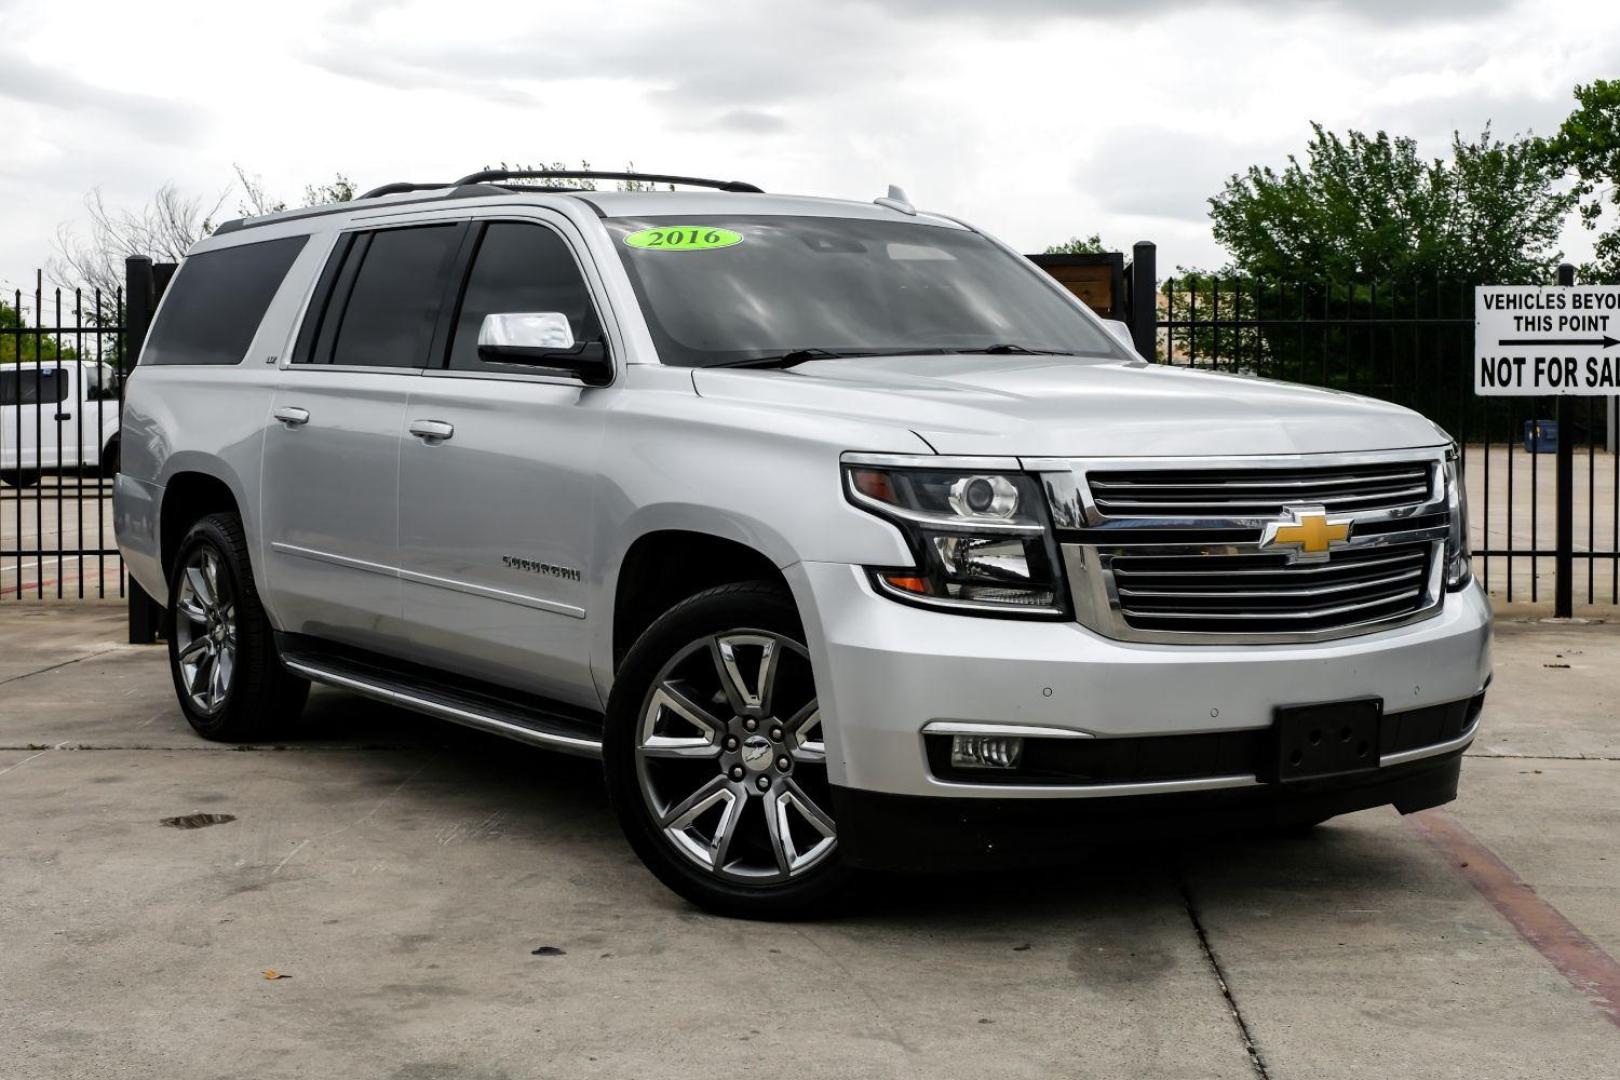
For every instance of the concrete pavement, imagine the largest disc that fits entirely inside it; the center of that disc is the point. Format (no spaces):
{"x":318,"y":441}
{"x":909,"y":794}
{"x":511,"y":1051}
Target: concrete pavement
{"x":401,"y":872}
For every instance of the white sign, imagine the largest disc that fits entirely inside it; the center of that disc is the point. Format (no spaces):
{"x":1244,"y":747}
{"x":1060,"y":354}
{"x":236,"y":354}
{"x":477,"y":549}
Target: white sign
{"x":1547,"y":339}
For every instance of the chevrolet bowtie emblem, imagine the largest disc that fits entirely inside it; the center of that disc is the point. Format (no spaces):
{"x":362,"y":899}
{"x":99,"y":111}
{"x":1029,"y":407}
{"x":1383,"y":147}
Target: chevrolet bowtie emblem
{"x":1309,"y":532}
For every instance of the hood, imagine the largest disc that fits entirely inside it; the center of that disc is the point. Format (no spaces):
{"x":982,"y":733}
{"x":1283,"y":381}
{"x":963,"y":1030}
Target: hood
{"x":1060,"y":406}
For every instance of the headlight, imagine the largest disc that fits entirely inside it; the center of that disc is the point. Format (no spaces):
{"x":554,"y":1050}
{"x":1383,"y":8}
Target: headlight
{"x":1459,"y":567}
{"x":980,"y":540}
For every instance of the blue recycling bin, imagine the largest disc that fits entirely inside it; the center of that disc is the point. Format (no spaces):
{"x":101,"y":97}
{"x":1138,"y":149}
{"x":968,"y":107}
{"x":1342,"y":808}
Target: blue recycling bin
{"x":1541,"y":436}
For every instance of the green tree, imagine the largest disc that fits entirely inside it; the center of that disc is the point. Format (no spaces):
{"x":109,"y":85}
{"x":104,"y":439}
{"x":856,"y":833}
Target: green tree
{"x":1588,"y":144}
{"x":1334,"y":255}
{"x":256,"y":201}
{"x":1090,"y":245}
{"x":18,"y":342}
{"x":1364,"y":208}
{"x":583,"y":184}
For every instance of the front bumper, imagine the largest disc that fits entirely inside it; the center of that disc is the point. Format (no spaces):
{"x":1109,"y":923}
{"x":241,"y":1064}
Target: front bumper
{"x":914,"y":833}
{"x":885,"y":670}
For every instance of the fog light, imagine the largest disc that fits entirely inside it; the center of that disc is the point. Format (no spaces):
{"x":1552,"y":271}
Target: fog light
{"x":986,"y":751}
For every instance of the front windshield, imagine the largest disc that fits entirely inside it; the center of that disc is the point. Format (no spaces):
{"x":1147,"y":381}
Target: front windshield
{"x":727,"y":290}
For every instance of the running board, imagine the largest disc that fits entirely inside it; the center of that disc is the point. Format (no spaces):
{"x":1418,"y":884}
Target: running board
{"x":522,"y":722}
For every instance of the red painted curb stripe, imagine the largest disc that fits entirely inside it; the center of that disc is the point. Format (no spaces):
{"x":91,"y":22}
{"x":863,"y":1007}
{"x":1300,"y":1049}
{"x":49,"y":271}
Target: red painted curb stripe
{"x":1577,"y":957}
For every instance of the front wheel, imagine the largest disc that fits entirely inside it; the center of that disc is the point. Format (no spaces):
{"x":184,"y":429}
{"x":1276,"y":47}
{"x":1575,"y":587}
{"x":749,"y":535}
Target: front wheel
{"x":715,"y":759}
{"x":222,"y":652}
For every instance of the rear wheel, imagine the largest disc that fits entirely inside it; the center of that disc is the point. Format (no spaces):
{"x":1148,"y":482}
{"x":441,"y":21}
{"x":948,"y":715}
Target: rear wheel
{"x":715,"y":759}
{"x":222,"y":654}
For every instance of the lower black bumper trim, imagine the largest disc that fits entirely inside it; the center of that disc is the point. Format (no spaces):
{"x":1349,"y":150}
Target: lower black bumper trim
{"x":920,"y":832}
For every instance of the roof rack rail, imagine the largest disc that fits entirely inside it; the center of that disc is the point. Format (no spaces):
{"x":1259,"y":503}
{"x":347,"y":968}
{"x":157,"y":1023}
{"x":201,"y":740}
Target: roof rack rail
{"x":400,"y":187}
{"x":495,"y":175}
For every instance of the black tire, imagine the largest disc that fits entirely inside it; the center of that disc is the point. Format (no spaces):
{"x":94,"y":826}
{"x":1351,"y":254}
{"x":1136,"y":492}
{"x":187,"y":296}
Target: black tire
{"x":692,"y":629}
{"x":109,"y":460}
{"x":258,"y":697}
{"x":19,"y":478}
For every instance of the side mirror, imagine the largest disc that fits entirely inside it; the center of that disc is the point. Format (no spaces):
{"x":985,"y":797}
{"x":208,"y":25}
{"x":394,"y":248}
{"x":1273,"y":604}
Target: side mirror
{"x":543,"y":339}
{"x":1121,"y":330}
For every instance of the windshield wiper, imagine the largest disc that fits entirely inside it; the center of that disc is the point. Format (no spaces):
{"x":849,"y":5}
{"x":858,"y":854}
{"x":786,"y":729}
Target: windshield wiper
{"x":799,"y":356}
{"x":999,"y":349}
{"x":787,"y":359}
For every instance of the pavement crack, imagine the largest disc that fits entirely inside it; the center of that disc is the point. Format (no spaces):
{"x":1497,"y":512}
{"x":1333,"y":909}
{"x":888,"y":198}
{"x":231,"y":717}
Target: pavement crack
{"x":1256,"y":1061}
{"x":63,"y":664}
{"x":20,"y":764}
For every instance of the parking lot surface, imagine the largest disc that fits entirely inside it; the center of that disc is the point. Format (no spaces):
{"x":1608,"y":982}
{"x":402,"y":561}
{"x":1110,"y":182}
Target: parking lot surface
{"x":400,"y":875}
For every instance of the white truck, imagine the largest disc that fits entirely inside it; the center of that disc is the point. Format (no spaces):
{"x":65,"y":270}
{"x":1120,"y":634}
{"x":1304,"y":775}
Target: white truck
{"x":55,"y":416}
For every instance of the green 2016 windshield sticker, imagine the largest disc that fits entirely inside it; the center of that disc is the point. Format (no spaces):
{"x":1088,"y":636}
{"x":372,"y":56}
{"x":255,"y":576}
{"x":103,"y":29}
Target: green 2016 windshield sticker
{"x":683,"y":238}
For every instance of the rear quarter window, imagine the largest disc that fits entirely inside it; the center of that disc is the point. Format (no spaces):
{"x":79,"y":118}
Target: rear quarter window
{"x":214,"y":306}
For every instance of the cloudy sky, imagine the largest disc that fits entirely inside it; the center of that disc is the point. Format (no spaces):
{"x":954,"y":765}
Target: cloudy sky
{"x":1036,"y":119}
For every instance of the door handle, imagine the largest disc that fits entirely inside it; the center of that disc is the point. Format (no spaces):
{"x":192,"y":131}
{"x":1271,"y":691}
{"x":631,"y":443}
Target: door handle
{"x":64,"y":416}
{"x":291,"y":415}
{"x":432,"y":431}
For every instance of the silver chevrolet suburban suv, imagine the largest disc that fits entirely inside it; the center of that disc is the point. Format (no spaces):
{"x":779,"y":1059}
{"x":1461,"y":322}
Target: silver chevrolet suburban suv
{"x":840,"y":533}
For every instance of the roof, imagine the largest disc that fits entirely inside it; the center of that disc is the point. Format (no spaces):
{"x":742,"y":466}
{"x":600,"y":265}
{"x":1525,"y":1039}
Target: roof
{"x":610,"y":204}
{"x":730,"y":204}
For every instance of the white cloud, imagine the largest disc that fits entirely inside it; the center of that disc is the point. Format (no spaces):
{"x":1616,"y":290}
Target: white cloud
{"x":1038,"y":119}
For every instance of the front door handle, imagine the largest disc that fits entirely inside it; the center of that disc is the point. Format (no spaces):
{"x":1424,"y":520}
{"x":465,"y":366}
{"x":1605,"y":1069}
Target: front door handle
{"x":432,"y":431}
{"x":291,"y":415}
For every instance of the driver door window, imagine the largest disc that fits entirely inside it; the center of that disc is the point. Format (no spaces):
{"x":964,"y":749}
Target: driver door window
{"x":520,"y":268}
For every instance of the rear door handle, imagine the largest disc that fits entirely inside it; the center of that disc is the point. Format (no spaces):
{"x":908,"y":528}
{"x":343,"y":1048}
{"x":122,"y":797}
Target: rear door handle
{"x":64,"y":416}
{"x":291,"y":415}
{"x":432,"y":431}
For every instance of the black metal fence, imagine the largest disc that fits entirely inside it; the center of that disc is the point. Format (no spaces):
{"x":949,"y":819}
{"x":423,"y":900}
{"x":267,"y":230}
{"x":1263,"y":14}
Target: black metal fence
{"x":1412,"y":344}
{"x":62,"y":362}
{"x":64,"y":355}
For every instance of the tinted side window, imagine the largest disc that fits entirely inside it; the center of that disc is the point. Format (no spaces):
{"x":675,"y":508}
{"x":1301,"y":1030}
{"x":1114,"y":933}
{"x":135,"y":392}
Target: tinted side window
{"x":21,"y":387}
{"x":521,"y":268}
{"x":215,"y":303}
{"x":393,"y":303}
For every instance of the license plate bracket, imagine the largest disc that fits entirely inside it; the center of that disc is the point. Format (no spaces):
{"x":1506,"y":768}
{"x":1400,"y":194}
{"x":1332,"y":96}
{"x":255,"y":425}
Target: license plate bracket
{"x":1332,"y":738}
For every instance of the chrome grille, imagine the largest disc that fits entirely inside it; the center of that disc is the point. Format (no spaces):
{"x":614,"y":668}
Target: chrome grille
{"x":1175,"y":550}
{"x":1251,"y":493}
{"x":1263,"y":594}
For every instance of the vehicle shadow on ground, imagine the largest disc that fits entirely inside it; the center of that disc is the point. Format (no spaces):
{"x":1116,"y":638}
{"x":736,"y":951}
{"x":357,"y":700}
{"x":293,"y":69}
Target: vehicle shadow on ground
{"x":541,"y":790}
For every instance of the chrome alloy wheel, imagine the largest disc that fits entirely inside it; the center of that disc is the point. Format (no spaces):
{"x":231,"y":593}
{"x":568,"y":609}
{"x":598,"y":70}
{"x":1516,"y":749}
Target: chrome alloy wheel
{"x":730,"y":758}
{"x":205,"y":631}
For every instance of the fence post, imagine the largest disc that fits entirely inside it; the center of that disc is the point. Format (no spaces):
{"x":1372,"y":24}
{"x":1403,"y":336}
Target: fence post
{"x":1145,"y":298}
{"x":140,"y":298}
{"x":1564,"y":557}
